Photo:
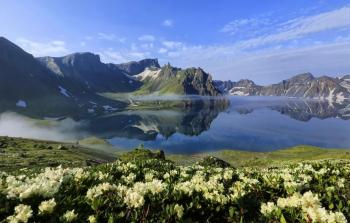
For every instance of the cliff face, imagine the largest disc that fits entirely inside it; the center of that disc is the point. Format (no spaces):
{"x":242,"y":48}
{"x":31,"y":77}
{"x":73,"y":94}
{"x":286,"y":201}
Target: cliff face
{"x":171,"y":80}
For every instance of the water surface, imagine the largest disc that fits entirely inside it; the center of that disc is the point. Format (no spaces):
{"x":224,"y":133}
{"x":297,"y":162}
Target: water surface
{"x":248,"y":123}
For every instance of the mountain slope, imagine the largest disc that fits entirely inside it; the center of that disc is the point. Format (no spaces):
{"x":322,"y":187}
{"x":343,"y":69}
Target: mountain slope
{"x":26,"y":84}
{"x":172,"y":80}
{"x":302,"y":85}
{"x":136,"y":67}
{"x":74,"y":85}
{"x":53,"y":89}
{"x":86,"y":71}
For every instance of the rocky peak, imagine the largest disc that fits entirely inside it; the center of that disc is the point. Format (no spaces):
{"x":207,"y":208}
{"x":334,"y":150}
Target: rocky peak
{"x":245,"y":83}
{"x":301,"y":78}
{"x":136,"y":67}
{"x":82,"y":59}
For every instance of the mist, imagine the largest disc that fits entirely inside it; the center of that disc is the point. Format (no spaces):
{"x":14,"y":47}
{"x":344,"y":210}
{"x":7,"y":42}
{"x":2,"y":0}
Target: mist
{"x":15,"y":125}
{"x":172,"y":97}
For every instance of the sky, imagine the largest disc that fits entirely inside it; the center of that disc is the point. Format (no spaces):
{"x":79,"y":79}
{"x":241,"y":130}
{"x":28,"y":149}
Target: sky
{"x":265,"y":41}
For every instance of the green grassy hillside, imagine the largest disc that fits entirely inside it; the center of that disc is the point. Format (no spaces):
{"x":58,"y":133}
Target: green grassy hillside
{"x":17,"y":153}
{"x":245,"y":158}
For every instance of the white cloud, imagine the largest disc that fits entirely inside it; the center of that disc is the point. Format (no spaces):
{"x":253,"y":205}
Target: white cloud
{"x":122,"y":56}
{"x":147,"y":46}
{"x":268,"y":65}
{"x":246,"y":26}
{"x":138,"y":55}
{"x":51,"y":48}
{"x":276,"y":65}
{"x":147,"y":38}
{"x":162,"y":50}
{"x":111,"y":56}
{"x":172,"y":44}
{"x":277,"y":53}
{"x":303,"y":26}
{"x":168,"y":23}
{"x":110,"y":37}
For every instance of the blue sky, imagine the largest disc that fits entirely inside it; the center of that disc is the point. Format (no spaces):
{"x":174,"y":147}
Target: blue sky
{"x":265,"y":42}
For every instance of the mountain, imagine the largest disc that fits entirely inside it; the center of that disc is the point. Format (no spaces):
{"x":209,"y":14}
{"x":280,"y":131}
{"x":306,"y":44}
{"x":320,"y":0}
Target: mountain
{"x":302,"y":85}
{"x":172,"y":80}
{"x":150,"y":124}
{"x":136,"y":67}
{"x":26,"y":84}
{"x":86,"y":71}
{"x":75,"y":85}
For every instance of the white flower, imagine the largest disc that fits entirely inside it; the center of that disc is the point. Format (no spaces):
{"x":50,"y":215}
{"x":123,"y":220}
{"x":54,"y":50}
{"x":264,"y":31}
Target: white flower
{"x":98,"y":190}
{"x":310,"y":200}
{"x":47,"y":207}
{"x":134,"y":199}
{"x":341,"y":182}
{"x":166,"y":176}
{"x":22,"y":214}
{"x":148,"y":176}
{"x":45,"y":184}
{"x":70,"y":216}
{"x":92,"y":219}
{"x":339,"y":218}
{"x":179,"y":210}
{"x":268,"y":208}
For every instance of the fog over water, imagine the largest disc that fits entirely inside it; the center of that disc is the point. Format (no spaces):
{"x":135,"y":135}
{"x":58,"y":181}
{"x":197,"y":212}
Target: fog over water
{"x":15,"y":125}
{"x":247,"y":123}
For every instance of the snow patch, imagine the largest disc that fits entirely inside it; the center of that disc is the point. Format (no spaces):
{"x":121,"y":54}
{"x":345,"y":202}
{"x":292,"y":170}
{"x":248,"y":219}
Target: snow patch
{"x":346,"y":84}
{"x":64,"y":91}
{"x":109,"y":108}
{"x":91,"y":110}
{"x":239,"y":93}
{"x":340,"y":97}
{"x":21,"y":104}
{"x":147,"y":73}
{"x":152,"y":127}
{"x":331,"y":94}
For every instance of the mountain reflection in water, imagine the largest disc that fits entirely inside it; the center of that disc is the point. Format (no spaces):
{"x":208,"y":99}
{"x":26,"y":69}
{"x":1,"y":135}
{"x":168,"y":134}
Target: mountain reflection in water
{"x":248,"y":123}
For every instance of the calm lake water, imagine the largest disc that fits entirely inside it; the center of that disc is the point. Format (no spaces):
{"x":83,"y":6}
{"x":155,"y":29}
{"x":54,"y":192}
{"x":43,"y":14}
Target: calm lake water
{"x":248,"y":123}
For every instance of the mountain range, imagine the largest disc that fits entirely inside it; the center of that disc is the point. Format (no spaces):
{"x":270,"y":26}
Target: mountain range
{"x":76,"y":85}
{"x":300,"y":86}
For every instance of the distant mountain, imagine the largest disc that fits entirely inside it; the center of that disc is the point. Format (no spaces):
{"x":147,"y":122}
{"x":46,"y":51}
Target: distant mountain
{"x":299,"y":109}
{"x":136,"y":67}
{"x":302,"y":85}
{"x":172,"y":80}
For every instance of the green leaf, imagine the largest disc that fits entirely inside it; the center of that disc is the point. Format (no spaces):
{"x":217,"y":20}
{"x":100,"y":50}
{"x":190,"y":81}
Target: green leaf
{"x":282,"y":219}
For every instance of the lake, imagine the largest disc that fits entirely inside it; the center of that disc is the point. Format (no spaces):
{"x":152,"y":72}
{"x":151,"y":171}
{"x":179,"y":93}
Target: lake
{"x":248,"y":123}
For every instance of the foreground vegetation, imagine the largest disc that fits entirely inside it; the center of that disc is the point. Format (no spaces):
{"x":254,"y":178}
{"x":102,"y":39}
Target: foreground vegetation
{"x":143,"y":186}
{"x":17,"y":153}
{"x":291,"y":155}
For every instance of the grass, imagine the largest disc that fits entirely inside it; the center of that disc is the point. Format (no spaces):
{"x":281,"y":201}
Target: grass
{"x":244,"y":159}
{"x":17,"y":153}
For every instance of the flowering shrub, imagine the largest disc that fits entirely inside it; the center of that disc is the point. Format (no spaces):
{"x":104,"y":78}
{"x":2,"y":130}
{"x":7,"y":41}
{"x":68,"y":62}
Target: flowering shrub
{"x":158,"y":191}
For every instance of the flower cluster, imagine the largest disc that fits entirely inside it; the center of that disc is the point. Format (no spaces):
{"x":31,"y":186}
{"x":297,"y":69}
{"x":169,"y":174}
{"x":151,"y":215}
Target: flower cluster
{"x":159,"y":191}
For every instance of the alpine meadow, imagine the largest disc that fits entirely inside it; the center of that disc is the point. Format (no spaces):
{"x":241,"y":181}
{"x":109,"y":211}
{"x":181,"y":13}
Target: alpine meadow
{"x":174,"y":111}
